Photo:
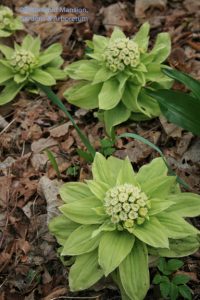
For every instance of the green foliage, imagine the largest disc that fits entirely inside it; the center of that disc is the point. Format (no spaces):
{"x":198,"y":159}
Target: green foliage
{"x":107,"y":147}
{"x":73,"y":171}
{"x":180,"y":108}
{"x":8,"y":23}
{"x":111,"y":223}
{"x":114,"y":73}
{"x":26,"y":65}
{"x":53,"y":162}
{"x":172,"y":285}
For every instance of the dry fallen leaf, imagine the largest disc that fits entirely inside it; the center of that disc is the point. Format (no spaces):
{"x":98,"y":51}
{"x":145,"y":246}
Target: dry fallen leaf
{"x":141,"y":6}
{"x":116,"y":15}
{"x":42,"y":144}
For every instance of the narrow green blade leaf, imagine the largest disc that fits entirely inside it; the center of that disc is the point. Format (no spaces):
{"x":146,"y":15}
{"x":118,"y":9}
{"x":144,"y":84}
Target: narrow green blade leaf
{"x":191,"y":83}
{"x":55,"y":100}
{"x":145,"y":141}
{"x":179,"y":108}
{"x":53,"y":161}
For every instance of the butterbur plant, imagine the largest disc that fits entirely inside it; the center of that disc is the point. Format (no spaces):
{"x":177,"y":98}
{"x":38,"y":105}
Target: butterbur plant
{"x":112,"y":223}
{"x":8,"y":23}
{"x":26,"y":65}
{"x":114,"y":73}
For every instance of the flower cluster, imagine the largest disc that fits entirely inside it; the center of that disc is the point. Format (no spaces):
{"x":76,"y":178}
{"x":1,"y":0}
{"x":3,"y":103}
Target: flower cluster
{"x":113,"y":76}
{"x":26,"y":64}
{"x":120,"y":53}
{"x":8,"y":23}
{"x":127,"y":205}
{"x":148,"y":205}
{"x":23,"y":61}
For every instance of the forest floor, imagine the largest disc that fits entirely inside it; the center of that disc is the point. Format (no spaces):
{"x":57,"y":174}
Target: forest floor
{"x":29,"y":266}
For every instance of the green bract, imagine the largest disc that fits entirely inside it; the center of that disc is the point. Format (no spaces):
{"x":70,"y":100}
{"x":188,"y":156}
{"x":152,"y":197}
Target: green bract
{"x":8,"y":23}
{"x":26,"y":64}
{"x":115,"y":74}
{"x":111,"y":223}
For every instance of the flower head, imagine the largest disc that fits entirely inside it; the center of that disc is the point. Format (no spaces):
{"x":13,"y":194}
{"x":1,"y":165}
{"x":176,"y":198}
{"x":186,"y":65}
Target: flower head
{"x":114,"y":74}
{"x":23,"y":61}
{"x":112,"y":222}
{"x":125,"y":204}
{"x":120,"y":53}
{"x":8,"y":23}
{"x":26,"y":64}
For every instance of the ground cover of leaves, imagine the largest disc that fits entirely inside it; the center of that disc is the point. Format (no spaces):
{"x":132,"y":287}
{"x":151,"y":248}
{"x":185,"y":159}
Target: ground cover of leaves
{"x":29,"y":267}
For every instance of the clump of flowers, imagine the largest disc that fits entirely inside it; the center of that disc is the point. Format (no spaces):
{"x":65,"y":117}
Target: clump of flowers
{"x":23,"y":61}
{"x":114,"y":74}
{"x":26,"y":65}
{"x":112,"y":223}
{"x":121,"y":53}
{"x":127,"y":205}
{"x":8,"y":23}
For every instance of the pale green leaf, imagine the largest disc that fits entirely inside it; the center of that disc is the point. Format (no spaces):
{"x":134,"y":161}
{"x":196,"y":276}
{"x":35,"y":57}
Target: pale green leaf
{"x":158,"y":205}
{"x":55,"y":48}
{"x":102,"y":75}
{"x":9,"y":92}
{"x":85,"y":272}
{"x":135,"y":285}
{"x":4,"y":33}
{"x":74,"y":191}
{"x":115,"y":116}
{"x":162,"y":47}
{"x":154,"y":169}
{"x":126,"y":174}
{"x":27,"y":42}
{"x":82,"y":211}
{"x":35,"y":46}
{"x":83,"y":95}
{"x":186,"y":204}
{"x":56,"y":73}
{"x":130,"y":96}
{"x":142,"y":37}
{"x":98,"y":188}
{"x":62,"y":227}
{"x":110,"y":94}
{"x":178,"y":248}
{"x":148,"y":105}
{"x":5,"y":74}
{"x":42,"y":77}
{"x":7,"y":51}
{"x":175,"y":226}
{"x":101,"y":171}
{"x":45,"y":59}
{"x":113,"y":248}
{"x":81,"y":241}
{"x":18,"y":78}
{"x":100,"y":43}
{"x":159,"y":187}
{"x":116,"y":34}
{"x":82,"y":69}
{"x":153,"y":233}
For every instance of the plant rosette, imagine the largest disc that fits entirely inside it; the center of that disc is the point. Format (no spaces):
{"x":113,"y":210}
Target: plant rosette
{"x":111,"y":224}
{"x":26,"y":65}
{"x":113,"y":76}
{"x":8,"y":23}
